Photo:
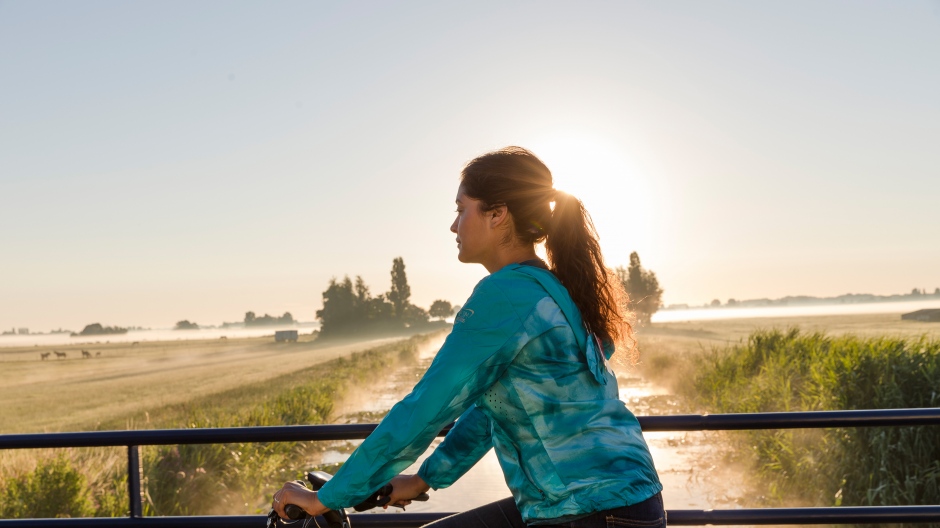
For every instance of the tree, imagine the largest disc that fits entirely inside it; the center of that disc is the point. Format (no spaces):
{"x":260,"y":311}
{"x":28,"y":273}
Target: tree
{"x":98,"y":329}
{"x":249,"y":318}
{"x":414,"y":315}
{"x":642,"y":286}
{"x":441,"y":309}
{"x":349,"y":307}
{"x":339,"y":306}
{"x":379,"y":309}
{"x":185,"y":324}
{"x":715,"y":302}
{"x":362,"y":291}
{"x":400,"y":294}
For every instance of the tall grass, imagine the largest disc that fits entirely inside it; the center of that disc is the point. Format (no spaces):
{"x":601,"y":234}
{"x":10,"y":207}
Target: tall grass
{"x":199,"y":479}
{"x":790,"y":370}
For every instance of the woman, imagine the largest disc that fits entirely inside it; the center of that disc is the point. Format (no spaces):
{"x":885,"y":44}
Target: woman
{"x":524,"y":369}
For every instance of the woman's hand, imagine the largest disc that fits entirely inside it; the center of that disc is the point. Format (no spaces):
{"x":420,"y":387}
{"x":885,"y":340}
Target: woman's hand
{"x":296,"y":493}
{"x":405,"y":488}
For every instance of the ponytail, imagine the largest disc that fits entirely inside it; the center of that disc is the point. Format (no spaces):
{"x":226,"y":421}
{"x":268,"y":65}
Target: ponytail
{"x":575,"y":255}
{"x":516,"y":178}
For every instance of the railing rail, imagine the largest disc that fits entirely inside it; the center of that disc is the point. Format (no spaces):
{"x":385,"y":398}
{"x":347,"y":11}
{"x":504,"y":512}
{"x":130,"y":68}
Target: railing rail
{"x":688,"y":422}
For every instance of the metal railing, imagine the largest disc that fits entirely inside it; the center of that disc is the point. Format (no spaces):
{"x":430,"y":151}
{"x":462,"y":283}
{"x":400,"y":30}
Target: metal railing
{"x":689,"y":422}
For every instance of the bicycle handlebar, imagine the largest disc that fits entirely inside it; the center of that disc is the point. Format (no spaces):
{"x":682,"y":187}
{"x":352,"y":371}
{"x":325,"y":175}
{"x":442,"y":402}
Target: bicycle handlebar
{"x":385,"y":493}
{"x":338,"y":518}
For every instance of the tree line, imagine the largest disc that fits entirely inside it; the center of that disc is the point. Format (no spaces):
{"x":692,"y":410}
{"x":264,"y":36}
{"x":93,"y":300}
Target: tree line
{"x":250,"y":320}
{"x":349,"y":306}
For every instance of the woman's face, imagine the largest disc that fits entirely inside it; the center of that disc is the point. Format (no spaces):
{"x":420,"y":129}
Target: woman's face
{"x":475,"y":237}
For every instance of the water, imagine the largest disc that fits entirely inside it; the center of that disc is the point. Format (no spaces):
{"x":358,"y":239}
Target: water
{"x":710,"y":314}
{"x":691,"y":465}
{"x":146,"y":335}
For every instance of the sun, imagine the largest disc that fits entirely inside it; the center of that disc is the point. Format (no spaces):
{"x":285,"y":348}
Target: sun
{"x":603,"y":176}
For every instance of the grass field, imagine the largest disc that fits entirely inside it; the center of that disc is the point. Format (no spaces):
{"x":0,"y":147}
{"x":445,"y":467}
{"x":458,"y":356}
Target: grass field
{"x":118,"y":386}
{"x":112,"y":390}
{"x":289,"y":384}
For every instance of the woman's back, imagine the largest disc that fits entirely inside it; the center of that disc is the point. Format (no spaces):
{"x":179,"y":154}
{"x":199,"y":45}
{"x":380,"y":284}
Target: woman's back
{"x":566,"y":443}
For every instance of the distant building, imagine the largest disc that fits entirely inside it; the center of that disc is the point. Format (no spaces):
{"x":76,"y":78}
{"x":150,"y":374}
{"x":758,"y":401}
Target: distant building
{"x":929,"y":315}
{"x":285,"y":335}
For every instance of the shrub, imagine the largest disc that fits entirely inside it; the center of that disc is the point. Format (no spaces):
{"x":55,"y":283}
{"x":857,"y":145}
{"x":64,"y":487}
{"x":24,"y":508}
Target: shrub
{"x":53,"y":489}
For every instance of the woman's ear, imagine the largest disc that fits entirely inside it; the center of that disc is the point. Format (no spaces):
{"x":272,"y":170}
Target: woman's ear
{"x":498,"y":216}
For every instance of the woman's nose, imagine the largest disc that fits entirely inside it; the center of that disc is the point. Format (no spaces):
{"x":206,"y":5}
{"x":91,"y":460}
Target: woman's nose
{"x":453,"y":227}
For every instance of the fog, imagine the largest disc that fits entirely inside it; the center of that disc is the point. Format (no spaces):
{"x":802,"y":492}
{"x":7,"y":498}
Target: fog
{"x":709,"y":314}
{"x":131,"y":336}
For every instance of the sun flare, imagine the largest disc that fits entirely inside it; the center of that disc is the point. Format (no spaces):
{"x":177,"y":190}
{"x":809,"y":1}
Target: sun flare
{"x":602,"y":175}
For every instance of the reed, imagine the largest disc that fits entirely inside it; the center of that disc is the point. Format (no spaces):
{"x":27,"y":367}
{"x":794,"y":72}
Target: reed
{"x":791,"y":370}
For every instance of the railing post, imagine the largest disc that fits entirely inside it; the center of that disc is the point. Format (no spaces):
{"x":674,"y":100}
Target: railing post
{"x":133,"y":482}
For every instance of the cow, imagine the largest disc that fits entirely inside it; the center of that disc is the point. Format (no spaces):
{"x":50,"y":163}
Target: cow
{"x":45,"y":355}
{"x":86,"y":354}
{"x":60,"y":354}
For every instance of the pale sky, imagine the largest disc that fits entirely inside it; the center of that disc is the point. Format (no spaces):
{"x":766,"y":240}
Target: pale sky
{"x":168,"y":160}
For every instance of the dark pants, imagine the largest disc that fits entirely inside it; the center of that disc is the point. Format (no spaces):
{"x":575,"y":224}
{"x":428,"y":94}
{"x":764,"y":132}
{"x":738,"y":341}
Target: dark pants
{"x":504,"y":514}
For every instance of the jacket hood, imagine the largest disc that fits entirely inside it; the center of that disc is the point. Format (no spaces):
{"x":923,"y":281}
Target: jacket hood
{"x":595,"y":354}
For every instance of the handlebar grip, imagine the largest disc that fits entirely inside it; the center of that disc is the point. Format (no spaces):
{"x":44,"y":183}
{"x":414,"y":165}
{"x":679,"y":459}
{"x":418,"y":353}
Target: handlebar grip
{"x":294,"y":512}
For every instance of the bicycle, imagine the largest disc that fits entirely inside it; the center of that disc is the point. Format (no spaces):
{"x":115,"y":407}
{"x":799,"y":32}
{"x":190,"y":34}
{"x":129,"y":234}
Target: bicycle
{"x":332,"y":518}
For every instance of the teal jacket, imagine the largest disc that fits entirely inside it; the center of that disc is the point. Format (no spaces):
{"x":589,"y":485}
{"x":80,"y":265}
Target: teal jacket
{"x":525,"y":378}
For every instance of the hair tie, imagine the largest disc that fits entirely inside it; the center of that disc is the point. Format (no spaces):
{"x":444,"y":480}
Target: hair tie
{"x":536,"y":228}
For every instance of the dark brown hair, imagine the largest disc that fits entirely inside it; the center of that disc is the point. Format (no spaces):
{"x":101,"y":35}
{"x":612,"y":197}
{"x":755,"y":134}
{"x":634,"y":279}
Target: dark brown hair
{"x":516,"y":178}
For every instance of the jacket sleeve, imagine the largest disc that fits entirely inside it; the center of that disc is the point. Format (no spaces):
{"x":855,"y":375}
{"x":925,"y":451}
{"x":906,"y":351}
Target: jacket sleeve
{"x":463,"y":447}
{"x":486,"y":337}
